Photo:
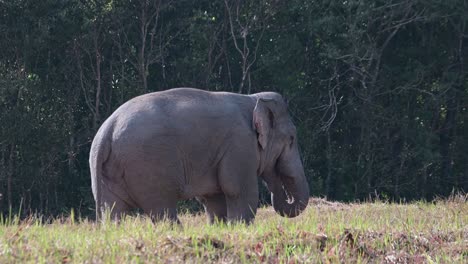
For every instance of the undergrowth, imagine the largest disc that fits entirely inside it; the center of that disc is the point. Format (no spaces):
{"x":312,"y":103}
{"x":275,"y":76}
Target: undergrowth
{"x":326,"y":232}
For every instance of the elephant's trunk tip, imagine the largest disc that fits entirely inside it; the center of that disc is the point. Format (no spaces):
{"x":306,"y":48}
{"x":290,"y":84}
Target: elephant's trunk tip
{"x":289,"y":205}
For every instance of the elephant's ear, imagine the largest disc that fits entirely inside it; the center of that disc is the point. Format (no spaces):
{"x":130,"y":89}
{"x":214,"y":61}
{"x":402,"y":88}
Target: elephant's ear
{"x":263,"y":120}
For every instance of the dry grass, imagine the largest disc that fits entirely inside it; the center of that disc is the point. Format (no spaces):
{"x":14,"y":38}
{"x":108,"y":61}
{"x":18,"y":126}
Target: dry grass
{"x":326,"y":232}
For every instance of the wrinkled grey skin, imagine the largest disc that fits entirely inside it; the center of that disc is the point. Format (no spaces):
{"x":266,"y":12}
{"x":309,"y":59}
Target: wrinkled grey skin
{"x":162,"y":147}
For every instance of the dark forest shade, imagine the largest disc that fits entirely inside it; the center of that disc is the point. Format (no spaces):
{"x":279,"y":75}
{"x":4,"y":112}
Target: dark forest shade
{"x":378,"y":89}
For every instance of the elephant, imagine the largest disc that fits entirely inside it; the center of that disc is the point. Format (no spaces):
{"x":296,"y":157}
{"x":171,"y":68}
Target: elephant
{"x":163,"y":147}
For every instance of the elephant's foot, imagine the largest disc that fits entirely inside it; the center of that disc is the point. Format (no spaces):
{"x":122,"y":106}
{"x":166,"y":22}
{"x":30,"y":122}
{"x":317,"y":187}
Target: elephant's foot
{"x":215,"y":208}
{"x":112,"y":206}
{"x":241,"y":209}
{"x":163,"y":214}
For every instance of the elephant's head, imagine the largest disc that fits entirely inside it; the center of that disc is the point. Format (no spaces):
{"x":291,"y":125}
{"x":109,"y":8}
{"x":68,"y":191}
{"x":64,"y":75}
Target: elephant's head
{"x":280,"y":163}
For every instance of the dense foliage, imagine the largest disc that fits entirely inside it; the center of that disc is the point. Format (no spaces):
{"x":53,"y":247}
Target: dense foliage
{"x":378,"y":89}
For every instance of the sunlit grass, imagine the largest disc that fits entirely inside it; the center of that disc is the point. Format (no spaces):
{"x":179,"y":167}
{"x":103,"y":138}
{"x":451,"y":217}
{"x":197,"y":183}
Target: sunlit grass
{"x":326,"y":232}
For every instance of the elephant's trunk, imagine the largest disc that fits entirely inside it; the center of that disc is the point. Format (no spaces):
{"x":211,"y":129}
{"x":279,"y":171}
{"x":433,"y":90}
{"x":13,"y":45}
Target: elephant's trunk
{"x":291,"y":197}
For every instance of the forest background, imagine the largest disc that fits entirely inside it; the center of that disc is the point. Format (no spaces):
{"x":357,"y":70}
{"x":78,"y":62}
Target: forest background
{"x":378,"y":89}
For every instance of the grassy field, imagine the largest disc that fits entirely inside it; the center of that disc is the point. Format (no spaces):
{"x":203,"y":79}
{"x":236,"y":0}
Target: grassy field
{"x":326,"y":232}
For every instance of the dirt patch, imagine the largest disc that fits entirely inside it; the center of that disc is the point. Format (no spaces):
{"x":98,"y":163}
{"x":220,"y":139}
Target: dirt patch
{"x":322,"y":202}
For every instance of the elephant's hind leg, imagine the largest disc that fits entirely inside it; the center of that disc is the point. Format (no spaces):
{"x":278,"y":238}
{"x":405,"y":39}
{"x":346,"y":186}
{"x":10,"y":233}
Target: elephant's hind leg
{"x":114,"y":205}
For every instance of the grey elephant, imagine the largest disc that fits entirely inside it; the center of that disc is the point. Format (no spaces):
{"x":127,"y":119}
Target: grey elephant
{"x":162,"y":147}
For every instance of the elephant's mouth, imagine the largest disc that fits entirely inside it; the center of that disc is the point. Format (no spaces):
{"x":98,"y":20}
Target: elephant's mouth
{"x":287,"y":194}
{"x":289,"y":197}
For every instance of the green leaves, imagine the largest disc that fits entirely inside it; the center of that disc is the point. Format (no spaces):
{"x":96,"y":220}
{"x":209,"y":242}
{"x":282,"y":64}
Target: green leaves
{"x":377,"y":89}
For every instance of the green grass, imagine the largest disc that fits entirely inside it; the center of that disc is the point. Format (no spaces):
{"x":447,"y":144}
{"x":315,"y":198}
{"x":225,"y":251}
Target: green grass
{"x":326,"y":232}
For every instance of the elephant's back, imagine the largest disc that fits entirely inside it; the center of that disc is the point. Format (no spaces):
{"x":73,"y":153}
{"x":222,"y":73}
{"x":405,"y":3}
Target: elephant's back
{"x":182,"y":116}
{"x":171,"y":109}
{"x":174,"y":102}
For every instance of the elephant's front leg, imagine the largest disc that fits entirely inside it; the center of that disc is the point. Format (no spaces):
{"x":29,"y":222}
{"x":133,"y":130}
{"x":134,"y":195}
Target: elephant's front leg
{"x":242,"y":207}
{"x":215,"y":207}
{"x":240,"y":187}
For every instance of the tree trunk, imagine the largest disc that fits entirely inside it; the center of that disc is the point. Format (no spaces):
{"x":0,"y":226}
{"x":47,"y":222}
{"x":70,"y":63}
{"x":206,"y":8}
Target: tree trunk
{"x":2,"y":178}
{"x":141,"y":53}
{"x":98,"y":81}
{"x":328,"y":181}
{"x":11,"y":161}
{"x":446,"y":140}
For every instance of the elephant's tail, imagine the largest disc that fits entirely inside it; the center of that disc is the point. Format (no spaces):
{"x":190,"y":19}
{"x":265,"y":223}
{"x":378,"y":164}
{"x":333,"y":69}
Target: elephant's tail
{"x":99,"y":154}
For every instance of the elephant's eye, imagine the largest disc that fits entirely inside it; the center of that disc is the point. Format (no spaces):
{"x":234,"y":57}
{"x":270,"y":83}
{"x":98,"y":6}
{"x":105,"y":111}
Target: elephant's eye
{"x":291,"y":141}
